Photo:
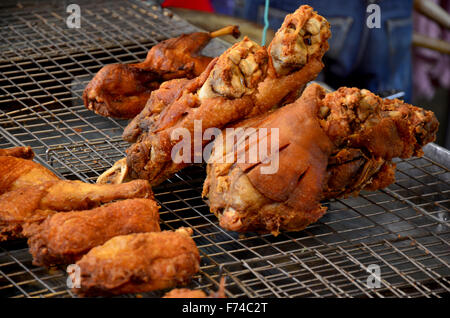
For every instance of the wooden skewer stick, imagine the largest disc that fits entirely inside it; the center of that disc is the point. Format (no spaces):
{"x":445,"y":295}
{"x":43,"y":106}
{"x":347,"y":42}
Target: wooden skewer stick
{"x":228,"y":30}
{"x":433,"y":11}
{"x":431,"y":43}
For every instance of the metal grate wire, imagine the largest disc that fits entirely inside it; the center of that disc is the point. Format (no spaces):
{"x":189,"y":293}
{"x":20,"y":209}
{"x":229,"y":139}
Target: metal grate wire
{"x":44,"y":67}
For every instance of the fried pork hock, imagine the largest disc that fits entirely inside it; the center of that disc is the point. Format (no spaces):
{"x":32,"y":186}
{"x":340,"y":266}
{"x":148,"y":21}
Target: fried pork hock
{"x":139,"y":263}
{"x":243,"y":82}
{"x":32,"y":204}
{"x":330,"y":145}
{"x":122,"y":90}
{"x":18,"y":152}
{"x":64,"y":238}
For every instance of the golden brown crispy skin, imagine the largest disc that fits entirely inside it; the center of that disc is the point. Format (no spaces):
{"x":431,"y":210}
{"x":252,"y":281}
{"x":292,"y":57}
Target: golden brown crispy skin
{"x":18,"y":152}
{"x":295,"y":57}
{"x":150,"y":157}
{"x":138,"y":263}
{"x":64,"y":238}
{"x":243,"y":82}
{"x":18,"y":172}
{"x":185,"y":293}
{"x":330,"y":145}
{"x":32,"y":204}
{"x":122,"y":90}
{"x":244,"y":199}
{"x":77,"y":195}
{"x":189,"y":293}
{"x":146,"y":120}
{"x":19,"y":207}
{"x":368,"y":132}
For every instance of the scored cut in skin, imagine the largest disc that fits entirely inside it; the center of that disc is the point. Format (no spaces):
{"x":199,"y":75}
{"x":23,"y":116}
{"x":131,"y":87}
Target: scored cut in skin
{"x":139,"y":263}
{"x":330,"y":145}
{"x":241,"y":83}
{"x":122,"y":90}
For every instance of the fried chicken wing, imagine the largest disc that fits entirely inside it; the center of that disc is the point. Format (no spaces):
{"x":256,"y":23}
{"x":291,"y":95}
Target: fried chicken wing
{"x":243,"y":82}
{"x":64,"y":238}
{"x":330,"y":145}
{"x":18,"y":152}
{"x":32,"y":204}
{"x":18,"y":172}
{"x":138,"y":263}
{"x":122,"y":90}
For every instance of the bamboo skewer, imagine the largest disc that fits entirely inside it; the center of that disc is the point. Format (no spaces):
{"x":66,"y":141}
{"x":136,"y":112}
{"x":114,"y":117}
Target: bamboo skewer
{"x":433,"y":11}
{"x":228,"y":30}
{"x":431,"y":43}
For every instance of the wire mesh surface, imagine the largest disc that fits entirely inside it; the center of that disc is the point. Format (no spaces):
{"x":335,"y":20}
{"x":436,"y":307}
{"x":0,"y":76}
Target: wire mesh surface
{"x":44,"y":67}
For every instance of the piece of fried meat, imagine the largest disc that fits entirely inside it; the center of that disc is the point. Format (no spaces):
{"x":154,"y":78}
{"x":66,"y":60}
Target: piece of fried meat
{"x":329,"y":145}
{"x":139,"y":263}
{"x":63,"y":238}
{"x":34,"y":203}
{"x":122,"y":90}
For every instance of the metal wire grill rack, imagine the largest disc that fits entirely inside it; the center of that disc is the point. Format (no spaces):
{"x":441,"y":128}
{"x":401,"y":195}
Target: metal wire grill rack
{"x":44,"y":67}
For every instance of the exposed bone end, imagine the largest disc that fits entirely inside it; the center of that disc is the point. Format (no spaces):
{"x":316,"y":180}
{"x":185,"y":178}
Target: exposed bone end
{"x":303,"y":35}
{"x":369,"y":104}
{"x":237,"y":72}
{"x":117,"y":174}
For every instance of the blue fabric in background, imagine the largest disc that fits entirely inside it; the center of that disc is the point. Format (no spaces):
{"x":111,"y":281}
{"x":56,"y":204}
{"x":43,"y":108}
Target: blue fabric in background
{"x":377,"y":59}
